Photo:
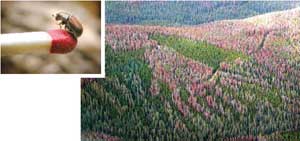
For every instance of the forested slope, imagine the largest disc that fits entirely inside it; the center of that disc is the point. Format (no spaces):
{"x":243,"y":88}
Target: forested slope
{"x":231,"y":79}
{"x":188,"y":13}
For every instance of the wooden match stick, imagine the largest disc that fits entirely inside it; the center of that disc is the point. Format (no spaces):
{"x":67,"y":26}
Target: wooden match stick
{"x":53,"y":42}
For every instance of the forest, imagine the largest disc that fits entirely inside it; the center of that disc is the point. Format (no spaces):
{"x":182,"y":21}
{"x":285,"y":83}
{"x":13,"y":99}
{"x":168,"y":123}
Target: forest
{"x":223,"y":80}
{"x":188,"y":13}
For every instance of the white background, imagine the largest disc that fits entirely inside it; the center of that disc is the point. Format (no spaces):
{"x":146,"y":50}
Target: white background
{"x":40,"y":108}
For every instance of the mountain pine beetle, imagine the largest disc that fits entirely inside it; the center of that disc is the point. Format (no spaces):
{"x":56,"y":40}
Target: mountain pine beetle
{"x":70,"y":22}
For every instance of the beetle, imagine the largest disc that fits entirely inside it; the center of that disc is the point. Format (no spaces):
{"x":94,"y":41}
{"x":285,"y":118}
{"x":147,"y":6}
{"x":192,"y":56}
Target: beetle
{"x":70,"y":22}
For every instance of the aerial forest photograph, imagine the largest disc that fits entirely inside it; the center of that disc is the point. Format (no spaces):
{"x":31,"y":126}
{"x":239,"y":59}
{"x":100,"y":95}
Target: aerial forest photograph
{"x":196,"y":70}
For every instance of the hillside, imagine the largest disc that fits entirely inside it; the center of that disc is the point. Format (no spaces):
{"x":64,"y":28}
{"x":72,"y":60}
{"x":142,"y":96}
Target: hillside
{"x":188,"y":13}
{"x":229,"y":79}
{"x":276,"y":18}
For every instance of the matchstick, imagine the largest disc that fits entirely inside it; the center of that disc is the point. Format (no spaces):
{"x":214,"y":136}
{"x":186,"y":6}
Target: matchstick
{"x":50,"y":42}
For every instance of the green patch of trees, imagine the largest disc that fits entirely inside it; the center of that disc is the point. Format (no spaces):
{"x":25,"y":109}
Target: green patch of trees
{"x":201,"y":51}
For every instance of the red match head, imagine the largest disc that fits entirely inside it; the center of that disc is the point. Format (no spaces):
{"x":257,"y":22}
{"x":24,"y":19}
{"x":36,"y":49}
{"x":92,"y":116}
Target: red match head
{"x":62,"y":41}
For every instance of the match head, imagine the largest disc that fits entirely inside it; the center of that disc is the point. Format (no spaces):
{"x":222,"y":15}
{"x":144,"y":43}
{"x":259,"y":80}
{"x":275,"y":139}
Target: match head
{"x":62,"y":41}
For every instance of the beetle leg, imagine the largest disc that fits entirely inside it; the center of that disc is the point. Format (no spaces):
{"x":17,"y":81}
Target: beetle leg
{"x":60,"y":24}
{"x":67,"y":27}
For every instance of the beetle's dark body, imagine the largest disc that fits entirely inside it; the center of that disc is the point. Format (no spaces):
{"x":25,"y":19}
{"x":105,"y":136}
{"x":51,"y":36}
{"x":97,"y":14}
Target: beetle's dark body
{"x":70,"y":22}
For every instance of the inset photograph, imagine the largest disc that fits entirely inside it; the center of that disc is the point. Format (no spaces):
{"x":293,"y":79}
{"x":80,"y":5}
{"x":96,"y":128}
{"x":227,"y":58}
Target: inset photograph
{"x":50,"y":37}
{"x":196,"y":70}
